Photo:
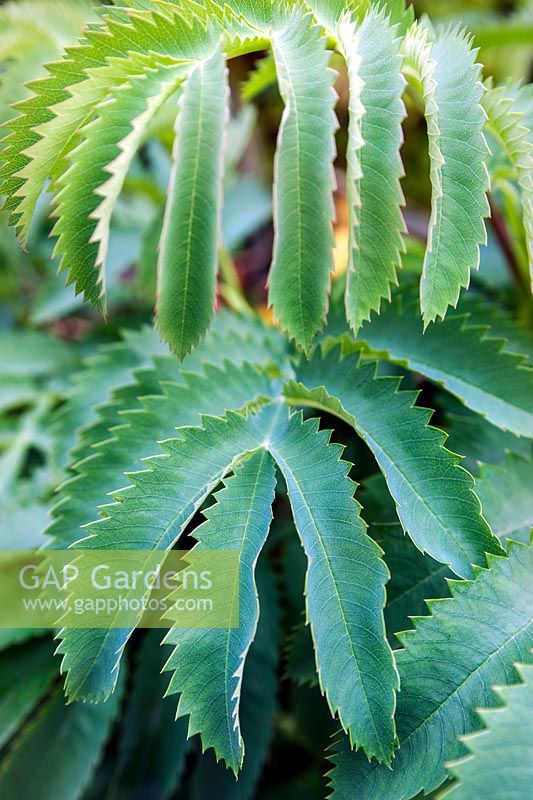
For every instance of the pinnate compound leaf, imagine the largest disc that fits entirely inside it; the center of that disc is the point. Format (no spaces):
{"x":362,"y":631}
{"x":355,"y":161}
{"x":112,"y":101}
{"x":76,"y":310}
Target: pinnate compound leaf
{"x":304,"y":180}
{"x":49,"y":122}
{"x":207,"y":664}
{"x":447,"y":670}
{"x":152,"y":513}
{"x":500,"y":760}
{"x":433,"y":494}
{"x":450,"y":80}
{"x":463,"y":358}
{"x":188,"y":258}
{"x":372,"y":53}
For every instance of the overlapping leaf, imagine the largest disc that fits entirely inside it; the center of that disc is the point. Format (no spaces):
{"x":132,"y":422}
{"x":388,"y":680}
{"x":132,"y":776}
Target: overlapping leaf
{"x":500,"y":757}
{"x":433,"y":494}
{"x":464,"y":358}
{"x":207,"y":665}
{"x":447,"y":670}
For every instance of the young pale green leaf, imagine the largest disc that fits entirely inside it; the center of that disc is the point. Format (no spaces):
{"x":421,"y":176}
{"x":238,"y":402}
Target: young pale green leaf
{"x":26,"y":672}
{"x":153,"y":744}
{"x":447,"y":669}
{"x":499,"y":764}
{"x":304,"y":180}
{"x":57,"y":752}
{"x":258,"y":703}
{"x":508,"y":123}
{"x":87,"y":192}
{"x":461,"y":357}
{"x":188,"y":257}
{"x":372,"y":53}
{"x":505,"y":494}
{"x":449,"y":77}
{"x":207,"y":665}
{"x":434,"y":495}
{"x":345,"y":585}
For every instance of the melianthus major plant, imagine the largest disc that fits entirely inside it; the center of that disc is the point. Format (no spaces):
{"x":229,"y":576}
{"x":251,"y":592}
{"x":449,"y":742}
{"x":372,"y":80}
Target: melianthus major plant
{"x":208,"y":444}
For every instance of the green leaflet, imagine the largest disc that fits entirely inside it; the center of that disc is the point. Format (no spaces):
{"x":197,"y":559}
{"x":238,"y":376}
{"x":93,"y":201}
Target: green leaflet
{"x":505,"y":495}
{"x":449,"y":78}
{"x":414,"y":576}
{"x":433,"y":494}
{"x":189,"y":242}
{"x":152,"y":513}
{"x":168,"y":494}
{"x":173,"y":404}
{"x":374,"y":163}
{"x":49,"y":122}
{"x":447,"y":669}
{"x":500,"y":757}
{"x":509,"y":124}
{"x":258,"y":703}
{"x":153,"y":745}
{"x":462,"y":358}
{"x":304,"y":180}
{"x":344,"y":586}
{"x":207,"y":665}
{"x":88,"y":190}
{"x":26,"y":672}
{"x":57,"y":752}
{"x":112,"y":367}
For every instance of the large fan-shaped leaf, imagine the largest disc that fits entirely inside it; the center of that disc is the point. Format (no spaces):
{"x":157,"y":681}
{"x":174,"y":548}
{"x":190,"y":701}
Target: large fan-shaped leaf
{"x":152,"y":513}
{"x":188,"y":252}
{"x":433,"y":494}
{"x":207,"y":665}
{"x":449,"y":78}
{"x":303,"y":200}
{"x":447,"y":669}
